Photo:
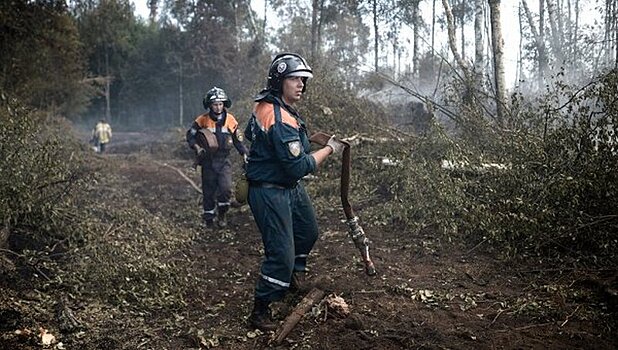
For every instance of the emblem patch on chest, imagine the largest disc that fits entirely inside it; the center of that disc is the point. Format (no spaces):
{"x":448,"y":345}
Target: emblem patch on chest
{"x":295,"y":148}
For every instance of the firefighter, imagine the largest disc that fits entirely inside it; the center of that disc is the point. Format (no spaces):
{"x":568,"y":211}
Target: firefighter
{"x":101,"y":135}
{"x":216,"y":163}
{"x":279,"y":158}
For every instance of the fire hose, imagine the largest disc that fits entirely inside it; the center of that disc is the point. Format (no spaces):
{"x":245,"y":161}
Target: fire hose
{"x":355,"y":231}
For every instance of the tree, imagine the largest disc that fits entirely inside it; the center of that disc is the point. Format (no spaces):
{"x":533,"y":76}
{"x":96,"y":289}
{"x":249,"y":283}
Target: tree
{"x":539,"y":44}
{"x":105,"y":29}
{"x":498,"y":53}
{"x":451,"y":37}
{"x":555,"y":24}
{"x":41,"y":61}
{"x":479,"y":23}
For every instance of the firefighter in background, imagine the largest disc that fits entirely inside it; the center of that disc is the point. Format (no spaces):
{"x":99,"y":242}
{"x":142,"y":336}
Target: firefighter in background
{"x":216,"y":163}
{"x":101,"y":135}
{"x":279,"y":158}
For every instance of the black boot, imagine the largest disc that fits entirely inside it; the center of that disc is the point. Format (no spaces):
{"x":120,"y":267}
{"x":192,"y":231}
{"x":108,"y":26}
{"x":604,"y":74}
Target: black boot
{"x":299,"y":283}
{"x":260,"y":317}
{"x":221,"y":221}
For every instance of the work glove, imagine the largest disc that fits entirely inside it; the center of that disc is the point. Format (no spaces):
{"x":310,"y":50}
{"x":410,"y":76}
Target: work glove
{"x":335,"y":144}
{"x":199,"y":151}
{"x":245,"y":158}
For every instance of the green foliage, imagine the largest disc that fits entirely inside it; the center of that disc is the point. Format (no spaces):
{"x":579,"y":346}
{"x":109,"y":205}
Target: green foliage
{"x":559,"y":194}
{"x":553,"y":194}
{"x":545,"y":187}
{"x":331,"y":106}
{"x":40,"y":166}
{"x":41,"y":59}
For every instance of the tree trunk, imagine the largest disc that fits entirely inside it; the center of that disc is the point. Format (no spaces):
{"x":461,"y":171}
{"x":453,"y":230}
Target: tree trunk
{"x":611,"y":32}
{"x":478,"y":36}
{"x":417,"y":23}
{"x":539,"y":43}
{"x":319,"y":40}
{"x":108,"y":109}
{"x":498,"y":50}
{"x":253,"y":29}
{"x":615,"y":16}
{"x":180,"y":95}
{"x":463,"y":27}
{"x":152,"y":5}
{"x":576,"y":32}
{"x":314,"y":29}
{"x":556,"y":34}
{"x":433,"y":26}
{"x":376,"y":37}
{"x":451,"y":36}
{"x":234,"y":8}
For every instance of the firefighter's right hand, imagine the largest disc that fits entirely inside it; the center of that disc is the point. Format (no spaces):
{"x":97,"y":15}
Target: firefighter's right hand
{"x":335,"y":144}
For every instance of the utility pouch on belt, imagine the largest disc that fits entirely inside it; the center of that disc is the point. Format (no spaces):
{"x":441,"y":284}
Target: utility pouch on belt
{"x":207,"y":140}
{"x":241,"y":192}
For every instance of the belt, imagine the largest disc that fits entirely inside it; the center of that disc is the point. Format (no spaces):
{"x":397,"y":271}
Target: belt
{"x":265,"y":184}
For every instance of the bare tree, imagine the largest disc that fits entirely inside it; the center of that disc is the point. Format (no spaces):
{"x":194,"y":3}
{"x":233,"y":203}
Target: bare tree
{"x":498,"y":54}
{"x":416,"y":18}
{"x":539,"y":43}
{"x":314,"y":29}
{"x":478,"y":36}
{"x":611,"y":31}
{"x":462,"y":25}
{"x":376,"y":34}
{"x":556,"y":41}
{"x":433,"y":25}
{"x":451,"y":36}
{"x":152,"y":5}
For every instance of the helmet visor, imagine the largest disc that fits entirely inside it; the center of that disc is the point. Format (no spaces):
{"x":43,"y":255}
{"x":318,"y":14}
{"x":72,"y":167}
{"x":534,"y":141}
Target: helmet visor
{"x":300,"y":73}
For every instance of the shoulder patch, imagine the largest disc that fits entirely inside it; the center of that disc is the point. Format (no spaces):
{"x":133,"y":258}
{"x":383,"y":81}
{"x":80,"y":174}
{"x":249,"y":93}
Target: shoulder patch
{"x":295,"y":147}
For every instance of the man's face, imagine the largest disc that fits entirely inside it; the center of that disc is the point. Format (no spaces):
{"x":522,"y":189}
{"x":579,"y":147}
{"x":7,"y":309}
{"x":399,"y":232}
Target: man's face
{"x":217,"y":107}
{"x":292,"y":89}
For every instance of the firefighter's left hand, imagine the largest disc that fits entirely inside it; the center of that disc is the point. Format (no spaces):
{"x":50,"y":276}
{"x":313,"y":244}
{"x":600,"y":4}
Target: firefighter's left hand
{"x":245,"y":158}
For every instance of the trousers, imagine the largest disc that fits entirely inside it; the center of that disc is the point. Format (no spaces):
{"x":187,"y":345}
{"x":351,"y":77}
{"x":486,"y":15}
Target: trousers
{"x":287,"y":223}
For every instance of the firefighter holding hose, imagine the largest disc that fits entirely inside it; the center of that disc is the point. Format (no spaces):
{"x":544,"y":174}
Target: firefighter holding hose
{"x":279,"y":158}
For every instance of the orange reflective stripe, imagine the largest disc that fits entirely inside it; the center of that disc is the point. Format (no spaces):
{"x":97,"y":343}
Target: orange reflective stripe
{"x":231,"y":123}
{"x":265,"y":116}
{"x":204,"y":121}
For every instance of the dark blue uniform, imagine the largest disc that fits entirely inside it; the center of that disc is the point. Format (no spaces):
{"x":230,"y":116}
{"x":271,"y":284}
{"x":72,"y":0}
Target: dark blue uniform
{"x":217,"y":167}
{"x":279,"y":157}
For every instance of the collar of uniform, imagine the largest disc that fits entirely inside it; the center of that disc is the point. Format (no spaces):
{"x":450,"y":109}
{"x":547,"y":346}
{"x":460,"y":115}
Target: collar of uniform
{"x":220,"y":119}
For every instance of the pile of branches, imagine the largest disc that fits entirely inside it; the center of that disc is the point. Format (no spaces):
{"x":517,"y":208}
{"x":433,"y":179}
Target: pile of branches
{"x":542,"y":183}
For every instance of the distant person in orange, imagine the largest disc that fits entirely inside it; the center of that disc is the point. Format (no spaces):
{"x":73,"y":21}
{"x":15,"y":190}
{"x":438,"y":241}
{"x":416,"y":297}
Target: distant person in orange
{"x":216,"y":163}
{"x":101,"y":135}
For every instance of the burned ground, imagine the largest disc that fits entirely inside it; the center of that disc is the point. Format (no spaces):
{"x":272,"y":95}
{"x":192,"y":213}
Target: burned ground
{"x":429,"y":292}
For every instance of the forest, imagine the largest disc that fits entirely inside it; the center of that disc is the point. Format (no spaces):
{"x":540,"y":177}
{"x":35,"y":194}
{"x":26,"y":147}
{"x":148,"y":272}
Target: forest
{"x":488,"y":197}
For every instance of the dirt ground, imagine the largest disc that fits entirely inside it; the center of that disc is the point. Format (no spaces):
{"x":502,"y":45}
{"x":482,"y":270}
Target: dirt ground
{"x":429,"y":293}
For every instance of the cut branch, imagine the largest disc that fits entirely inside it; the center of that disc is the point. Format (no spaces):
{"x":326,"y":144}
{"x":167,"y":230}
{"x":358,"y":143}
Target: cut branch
{"x":196,"y":187}
{"x":299,"y":311}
